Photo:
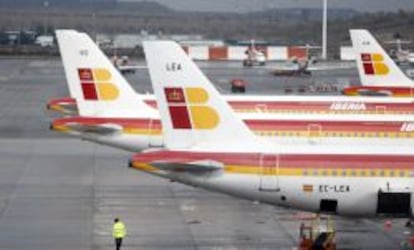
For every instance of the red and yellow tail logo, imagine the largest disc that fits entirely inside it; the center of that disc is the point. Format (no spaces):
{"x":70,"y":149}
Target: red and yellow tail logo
{"x":96,"y":84}
{"x":188,"y":109}
{"x":374,"y":64}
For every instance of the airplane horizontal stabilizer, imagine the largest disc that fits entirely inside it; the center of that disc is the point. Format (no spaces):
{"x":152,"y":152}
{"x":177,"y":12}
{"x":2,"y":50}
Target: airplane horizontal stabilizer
{"x":190,"y":167}
{"x":102,"y":129}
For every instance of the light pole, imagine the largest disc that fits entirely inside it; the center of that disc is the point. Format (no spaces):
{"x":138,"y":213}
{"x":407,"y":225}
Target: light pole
{"x":324,"y":29}
{"x":46,"y":5}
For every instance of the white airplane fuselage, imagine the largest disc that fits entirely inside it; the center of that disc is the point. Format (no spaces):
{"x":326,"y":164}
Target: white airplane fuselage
{"x":313,"y":130}
{"x":353,"y":189}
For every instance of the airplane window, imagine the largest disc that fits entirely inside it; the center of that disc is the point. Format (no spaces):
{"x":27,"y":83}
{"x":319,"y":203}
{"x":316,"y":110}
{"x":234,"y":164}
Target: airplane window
{"x":372,"y":173}
{"x":382,"y":173}
{"x":362,"y":173}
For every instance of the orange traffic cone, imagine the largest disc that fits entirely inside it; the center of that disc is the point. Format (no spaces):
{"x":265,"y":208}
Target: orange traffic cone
{"x":388,"y":225}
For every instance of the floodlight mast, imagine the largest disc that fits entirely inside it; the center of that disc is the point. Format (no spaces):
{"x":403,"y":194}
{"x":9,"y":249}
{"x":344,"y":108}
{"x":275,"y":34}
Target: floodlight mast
{"x":324,"y":29}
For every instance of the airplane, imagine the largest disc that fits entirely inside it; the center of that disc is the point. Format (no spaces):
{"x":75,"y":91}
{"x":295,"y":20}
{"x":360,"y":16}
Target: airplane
{"x":401,"y":55}
{"x":254,"y":56}
{"x":298,"y":67}
{"x":207,"y":146}
{"x":303,"y":67}
{"x":379,"y":74}
{"x":124,"y":66}
{"x":282,"y":104}
{"x":111,"y":113}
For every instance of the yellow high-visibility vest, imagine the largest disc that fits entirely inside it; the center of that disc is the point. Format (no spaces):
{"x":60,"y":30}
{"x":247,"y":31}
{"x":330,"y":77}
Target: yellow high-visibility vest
{"x":119,"y":230}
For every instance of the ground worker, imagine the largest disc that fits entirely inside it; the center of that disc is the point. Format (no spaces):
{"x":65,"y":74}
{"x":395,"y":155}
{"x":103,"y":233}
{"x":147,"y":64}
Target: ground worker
{"x":118,"y":232}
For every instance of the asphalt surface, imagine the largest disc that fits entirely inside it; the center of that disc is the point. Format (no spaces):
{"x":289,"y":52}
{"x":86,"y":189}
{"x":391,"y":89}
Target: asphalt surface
{"x":57,"y":192}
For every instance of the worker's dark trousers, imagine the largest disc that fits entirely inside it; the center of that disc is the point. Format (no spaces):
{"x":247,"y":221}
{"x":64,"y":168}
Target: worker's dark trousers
{"x":118,"y":243}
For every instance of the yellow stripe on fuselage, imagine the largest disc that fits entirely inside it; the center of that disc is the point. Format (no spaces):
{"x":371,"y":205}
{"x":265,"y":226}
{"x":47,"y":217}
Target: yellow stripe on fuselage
{"x":342,"y":134}
{"x":296,"y":133}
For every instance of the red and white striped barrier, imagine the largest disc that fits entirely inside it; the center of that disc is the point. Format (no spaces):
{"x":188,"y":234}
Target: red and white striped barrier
{"x":239,"y":52}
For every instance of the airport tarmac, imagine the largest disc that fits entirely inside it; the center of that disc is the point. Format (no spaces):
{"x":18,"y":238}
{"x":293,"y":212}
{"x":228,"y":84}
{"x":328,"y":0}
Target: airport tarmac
{"x":260,"y":80}
{"x":57,"y":192}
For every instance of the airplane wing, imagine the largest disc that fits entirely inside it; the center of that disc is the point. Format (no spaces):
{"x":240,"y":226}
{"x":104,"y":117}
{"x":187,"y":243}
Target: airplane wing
{"x":198,"y":167}
{"x":101,"y":129}
{"x":131,"y":67}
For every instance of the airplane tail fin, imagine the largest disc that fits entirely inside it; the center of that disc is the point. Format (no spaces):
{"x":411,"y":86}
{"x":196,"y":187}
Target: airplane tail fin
{"x":98,"y":87}
{"x":375,"y":67}
{"x":192,"y":110}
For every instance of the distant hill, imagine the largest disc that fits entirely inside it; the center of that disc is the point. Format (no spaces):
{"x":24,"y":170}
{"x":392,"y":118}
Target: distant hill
{"x":58,"y":4}
{"x":304,"y":14}
{"x":143,"y":6}
{"x":151,"y":7}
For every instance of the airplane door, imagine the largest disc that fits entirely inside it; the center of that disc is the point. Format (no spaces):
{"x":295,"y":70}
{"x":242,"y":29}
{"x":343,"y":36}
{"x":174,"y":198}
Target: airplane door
{"x":155,"y":140}
{"x":269,"y":173}
{"x":314,"y":132}
{"x":262,"y":108}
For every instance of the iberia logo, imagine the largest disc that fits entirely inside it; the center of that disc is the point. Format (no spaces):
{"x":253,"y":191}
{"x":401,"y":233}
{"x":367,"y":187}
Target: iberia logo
{"x":96,"y":84}
{"x":374,"y":64}
{"x":188,"y":108}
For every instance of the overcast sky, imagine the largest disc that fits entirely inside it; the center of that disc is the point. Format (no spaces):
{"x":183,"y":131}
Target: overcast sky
{"x":246,"y":5}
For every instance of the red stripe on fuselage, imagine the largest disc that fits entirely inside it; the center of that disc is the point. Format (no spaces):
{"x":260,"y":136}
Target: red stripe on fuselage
{"x":284,"y":160}
{"x":262,"y":125}
{"x":298,"y":106}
